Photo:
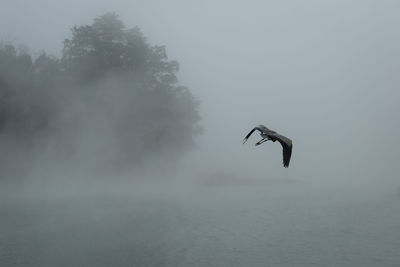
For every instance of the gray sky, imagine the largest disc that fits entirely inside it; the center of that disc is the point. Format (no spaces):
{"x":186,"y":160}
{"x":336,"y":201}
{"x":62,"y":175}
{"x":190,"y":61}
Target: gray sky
{"x":324,"y":73}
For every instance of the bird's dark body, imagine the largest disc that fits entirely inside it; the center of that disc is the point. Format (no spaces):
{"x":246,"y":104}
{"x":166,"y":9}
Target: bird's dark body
{"x":268,"y":134}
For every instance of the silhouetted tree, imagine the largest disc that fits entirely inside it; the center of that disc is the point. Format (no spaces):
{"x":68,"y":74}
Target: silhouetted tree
{"x":109,"y":78}
{"x":21,"y":109}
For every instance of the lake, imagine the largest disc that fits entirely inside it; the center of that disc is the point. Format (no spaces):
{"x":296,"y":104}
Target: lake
{"x":216,"y":220}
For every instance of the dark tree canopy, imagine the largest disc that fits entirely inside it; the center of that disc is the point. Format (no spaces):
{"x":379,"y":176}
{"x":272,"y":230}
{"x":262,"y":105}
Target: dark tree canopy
{"x":107,"y":46}
{"x":110,"y":94}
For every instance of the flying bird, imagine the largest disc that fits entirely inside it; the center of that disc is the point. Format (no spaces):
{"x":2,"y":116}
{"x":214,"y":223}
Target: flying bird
{"x":268,"y":134}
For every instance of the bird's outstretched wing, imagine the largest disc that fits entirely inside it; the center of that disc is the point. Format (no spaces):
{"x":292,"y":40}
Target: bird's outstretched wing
{"x":250,"y":133}
{"x":286,"y":147}
{"x":263,"y":129}
{"x":260,"y":128}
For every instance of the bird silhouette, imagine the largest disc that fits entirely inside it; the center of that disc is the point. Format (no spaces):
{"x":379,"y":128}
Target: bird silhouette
{"x":268,"y":134}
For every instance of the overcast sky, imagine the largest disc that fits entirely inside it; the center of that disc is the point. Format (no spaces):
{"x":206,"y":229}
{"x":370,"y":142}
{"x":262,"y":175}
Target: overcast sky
{"x":324,"y":73}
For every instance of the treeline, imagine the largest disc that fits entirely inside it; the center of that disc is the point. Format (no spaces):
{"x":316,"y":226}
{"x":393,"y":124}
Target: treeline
{"x":112,"y":98}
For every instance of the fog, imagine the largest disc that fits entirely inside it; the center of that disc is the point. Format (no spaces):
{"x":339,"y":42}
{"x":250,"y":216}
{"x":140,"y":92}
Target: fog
{"x":321,"y":73}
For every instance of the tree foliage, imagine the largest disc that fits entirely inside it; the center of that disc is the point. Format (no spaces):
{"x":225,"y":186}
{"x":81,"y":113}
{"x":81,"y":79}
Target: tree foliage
{"x":111,"y":92}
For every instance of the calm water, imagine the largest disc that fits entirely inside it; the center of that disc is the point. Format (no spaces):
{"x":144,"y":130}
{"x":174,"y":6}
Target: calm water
{"x":210,"y":221}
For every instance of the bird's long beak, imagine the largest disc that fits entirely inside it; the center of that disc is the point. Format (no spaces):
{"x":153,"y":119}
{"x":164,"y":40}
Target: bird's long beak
{"x":261,"y":141}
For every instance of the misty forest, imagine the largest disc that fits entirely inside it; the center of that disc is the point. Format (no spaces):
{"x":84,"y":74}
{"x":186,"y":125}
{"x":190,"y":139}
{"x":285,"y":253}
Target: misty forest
{"x":111,"y":94}
{"x":143,"y":133}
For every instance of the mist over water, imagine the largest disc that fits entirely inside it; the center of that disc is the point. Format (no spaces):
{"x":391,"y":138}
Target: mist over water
{"x":322,"y":74}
